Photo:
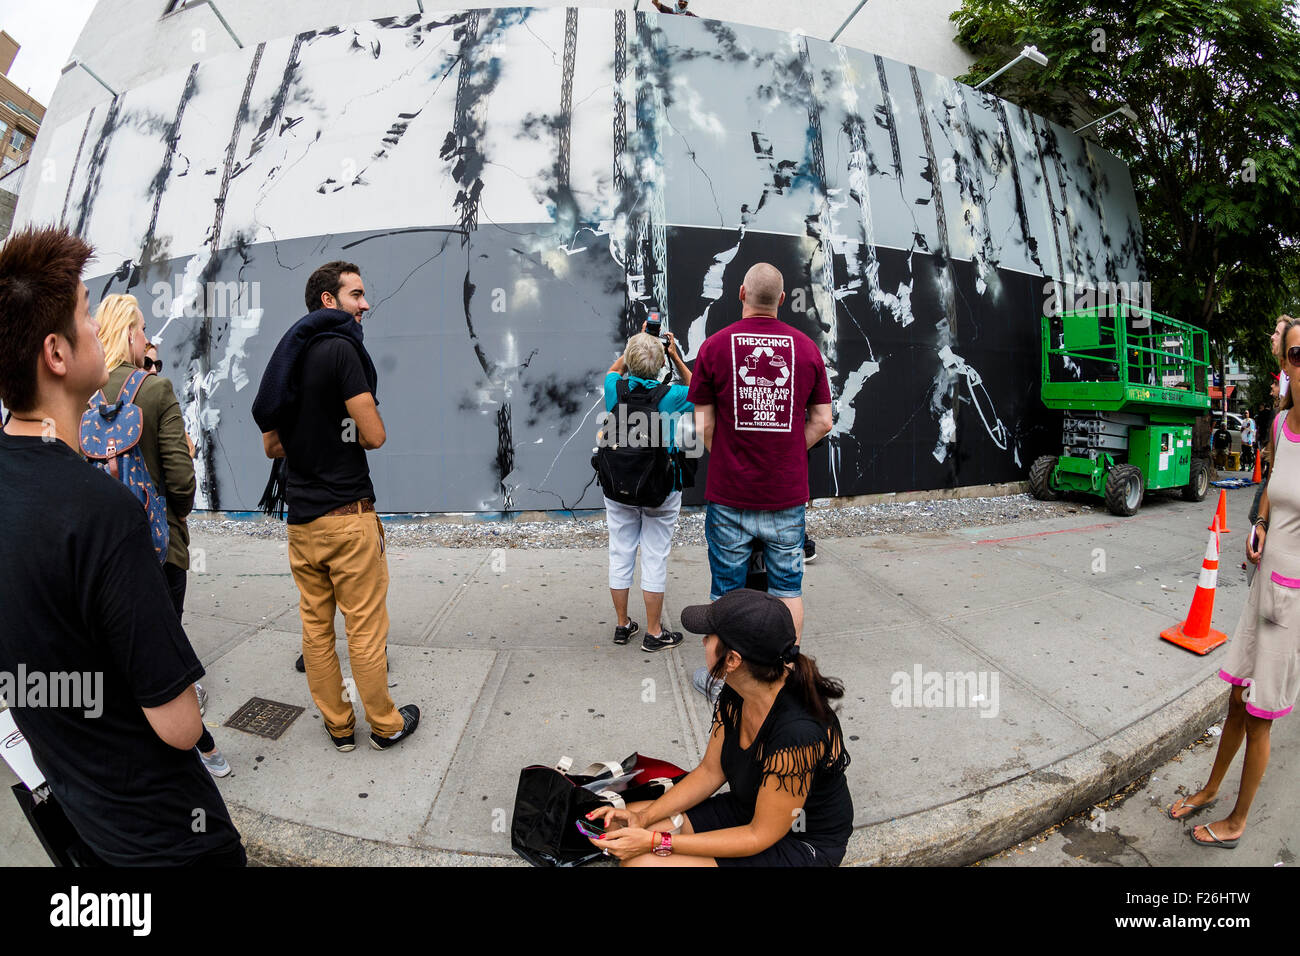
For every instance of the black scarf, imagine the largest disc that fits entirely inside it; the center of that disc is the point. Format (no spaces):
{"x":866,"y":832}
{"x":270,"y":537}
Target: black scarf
{"x":277,"y":397}
{"x":276,"y":406}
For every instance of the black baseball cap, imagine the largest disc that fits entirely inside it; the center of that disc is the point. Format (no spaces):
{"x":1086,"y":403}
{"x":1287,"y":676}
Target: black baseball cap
{"x":754,"y":624}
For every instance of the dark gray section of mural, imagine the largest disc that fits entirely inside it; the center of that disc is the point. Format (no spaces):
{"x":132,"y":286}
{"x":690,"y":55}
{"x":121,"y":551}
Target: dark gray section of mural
{"x":515,"y":402}
{"x":520,"y":187}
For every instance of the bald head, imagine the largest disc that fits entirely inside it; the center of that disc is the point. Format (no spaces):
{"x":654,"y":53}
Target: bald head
{"x":763,"y":290}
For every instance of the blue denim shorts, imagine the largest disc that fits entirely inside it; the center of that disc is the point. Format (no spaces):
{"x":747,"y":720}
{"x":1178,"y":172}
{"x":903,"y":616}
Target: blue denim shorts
{"x":730,"y":533}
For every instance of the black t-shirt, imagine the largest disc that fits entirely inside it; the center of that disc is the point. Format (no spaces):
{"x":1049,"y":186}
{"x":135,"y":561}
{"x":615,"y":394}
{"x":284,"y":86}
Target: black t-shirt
{"x":82,"y":594}
{"x":323,"y":454}
{"x":789,"y":744}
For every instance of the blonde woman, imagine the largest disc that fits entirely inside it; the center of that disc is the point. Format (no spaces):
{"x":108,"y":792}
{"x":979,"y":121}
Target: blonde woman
{"x":165,"y":452}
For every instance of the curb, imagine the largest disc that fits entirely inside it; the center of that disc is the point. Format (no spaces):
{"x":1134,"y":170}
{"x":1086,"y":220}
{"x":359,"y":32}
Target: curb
{"x":270,"y":841}
{"x":984,"y":823}
{"x":954,"y":834}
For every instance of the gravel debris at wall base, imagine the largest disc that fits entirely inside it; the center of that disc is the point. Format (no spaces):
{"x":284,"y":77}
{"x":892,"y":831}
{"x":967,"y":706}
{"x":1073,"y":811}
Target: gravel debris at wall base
{"x":913,"y":517}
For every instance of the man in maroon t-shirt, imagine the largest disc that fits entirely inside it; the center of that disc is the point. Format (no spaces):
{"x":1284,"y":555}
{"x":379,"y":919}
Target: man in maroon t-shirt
{"x":761,"y":401}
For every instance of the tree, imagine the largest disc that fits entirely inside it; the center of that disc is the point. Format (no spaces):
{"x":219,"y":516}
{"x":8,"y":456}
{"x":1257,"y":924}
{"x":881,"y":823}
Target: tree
{"x":1214,"y":154}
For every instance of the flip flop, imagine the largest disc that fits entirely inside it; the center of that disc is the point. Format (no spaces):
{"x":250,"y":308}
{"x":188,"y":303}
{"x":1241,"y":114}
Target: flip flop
{"x":1214,"y":840}
{"x":1192,"y":808}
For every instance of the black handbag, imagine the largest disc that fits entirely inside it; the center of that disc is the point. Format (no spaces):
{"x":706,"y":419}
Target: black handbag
{"x":53,"y":828}
{"x":550,"y":799}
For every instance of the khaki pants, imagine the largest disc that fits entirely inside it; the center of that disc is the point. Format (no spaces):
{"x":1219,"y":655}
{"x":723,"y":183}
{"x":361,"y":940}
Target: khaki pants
{"x":339,"y":561}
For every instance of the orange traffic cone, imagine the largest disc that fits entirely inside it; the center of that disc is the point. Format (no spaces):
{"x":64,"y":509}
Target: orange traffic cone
{"x":1255,"y":478}
{"x":1195,"y":633}
{"x":1221,"y":515}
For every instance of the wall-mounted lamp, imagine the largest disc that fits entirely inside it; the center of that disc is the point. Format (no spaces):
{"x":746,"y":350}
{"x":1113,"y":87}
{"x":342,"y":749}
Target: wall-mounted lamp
{"x":74,"y":63}
{"x":213,"y":5}
{"x":1028,"y":53}
{"x":846,"y":22}
{"x":1124,"y":108}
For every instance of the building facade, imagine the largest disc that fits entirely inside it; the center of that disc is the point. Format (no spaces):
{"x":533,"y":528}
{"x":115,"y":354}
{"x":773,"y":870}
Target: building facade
{"x":20,"y":121}
{"x":522,"y":186}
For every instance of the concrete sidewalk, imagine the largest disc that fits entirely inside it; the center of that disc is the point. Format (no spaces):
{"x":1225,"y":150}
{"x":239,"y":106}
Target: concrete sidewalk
{"x":508,"y":655}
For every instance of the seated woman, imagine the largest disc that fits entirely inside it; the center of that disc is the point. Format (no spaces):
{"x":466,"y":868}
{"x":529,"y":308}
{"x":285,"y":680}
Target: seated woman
{"x":775,"y":740}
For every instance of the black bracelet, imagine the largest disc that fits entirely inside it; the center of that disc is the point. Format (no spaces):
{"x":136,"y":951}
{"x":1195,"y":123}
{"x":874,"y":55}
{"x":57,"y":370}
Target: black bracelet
{"x":1261,"y":521}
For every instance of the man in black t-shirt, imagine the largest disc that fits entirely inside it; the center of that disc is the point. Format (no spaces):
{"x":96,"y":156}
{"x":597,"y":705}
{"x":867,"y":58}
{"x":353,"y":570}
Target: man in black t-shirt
{"x":336,"y":540}
{"x":1222,"y":444}
{"x":99,"y":672}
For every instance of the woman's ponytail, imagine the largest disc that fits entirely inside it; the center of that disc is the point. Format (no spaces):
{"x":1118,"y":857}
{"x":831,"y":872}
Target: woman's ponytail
{"x":814,"y":689}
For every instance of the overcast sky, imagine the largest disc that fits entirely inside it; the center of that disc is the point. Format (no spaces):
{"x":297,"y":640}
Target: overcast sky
{"x":46,"y":32}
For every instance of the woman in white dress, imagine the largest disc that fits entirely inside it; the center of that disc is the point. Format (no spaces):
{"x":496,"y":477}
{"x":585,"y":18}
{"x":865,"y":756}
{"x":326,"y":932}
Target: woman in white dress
{"x":1263,"y":658}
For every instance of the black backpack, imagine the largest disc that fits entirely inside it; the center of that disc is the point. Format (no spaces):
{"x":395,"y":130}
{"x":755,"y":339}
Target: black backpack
{"x":640,"y":472}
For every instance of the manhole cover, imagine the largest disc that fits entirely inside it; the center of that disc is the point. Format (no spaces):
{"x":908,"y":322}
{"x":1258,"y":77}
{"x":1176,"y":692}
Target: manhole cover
{"x":266,"y":718}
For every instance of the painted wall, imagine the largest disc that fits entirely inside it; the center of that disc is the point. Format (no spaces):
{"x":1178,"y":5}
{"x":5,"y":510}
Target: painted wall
{"x":520,"y":186}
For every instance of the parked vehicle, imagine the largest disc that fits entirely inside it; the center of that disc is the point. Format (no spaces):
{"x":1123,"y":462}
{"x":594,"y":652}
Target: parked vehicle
{"x":1131,"y":382}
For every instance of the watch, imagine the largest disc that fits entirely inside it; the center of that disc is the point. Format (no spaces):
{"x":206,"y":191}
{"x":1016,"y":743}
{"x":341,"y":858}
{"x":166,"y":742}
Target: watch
{"x":665,"y":847}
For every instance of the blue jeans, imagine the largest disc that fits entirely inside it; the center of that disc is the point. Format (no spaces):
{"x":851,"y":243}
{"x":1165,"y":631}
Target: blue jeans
{"x":730,"y":533}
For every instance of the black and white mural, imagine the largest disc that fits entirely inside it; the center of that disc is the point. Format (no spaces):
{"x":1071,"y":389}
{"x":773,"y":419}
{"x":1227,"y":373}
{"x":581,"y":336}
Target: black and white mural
{"x":521,"y":186}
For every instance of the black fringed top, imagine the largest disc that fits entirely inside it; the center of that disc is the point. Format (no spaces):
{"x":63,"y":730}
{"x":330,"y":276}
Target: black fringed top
{"x":794,"y":748}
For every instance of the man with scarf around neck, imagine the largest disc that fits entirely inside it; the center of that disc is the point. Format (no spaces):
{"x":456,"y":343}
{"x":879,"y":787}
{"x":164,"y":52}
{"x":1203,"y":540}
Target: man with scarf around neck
{"x":317,"y":410}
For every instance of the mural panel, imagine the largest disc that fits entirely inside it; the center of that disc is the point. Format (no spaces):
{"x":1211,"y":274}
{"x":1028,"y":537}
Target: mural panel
{"x":520,"y":187}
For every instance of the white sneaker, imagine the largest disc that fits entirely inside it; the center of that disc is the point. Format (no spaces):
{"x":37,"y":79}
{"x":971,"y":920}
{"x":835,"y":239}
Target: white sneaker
{"x":216,"y":763}
{"x":706,"y":685}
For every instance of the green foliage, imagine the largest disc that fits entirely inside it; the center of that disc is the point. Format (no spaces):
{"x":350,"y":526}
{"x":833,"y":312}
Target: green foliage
{"x":1215,"y":154}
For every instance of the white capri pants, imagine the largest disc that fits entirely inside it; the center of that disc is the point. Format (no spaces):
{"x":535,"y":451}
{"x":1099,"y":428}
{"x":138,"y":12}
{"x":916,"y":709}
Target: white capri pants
{"x":652,"y":529}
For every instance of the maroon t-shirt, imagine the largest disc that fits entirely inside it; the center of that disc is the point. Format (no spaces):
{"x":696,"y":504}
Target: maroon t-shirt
{"x":760,"y":375}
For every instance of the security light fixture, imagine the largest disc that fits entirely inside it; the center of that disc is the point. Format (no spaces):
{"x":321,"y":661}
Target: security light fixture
{"x":74,"y":63}
{"x":1028,"y":53}
{"x":848,"y":19}
{"x":1124,"y":110}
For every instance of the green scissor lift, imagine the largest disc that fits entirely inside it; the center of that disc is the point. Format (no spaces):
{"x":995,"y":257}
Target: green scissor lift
{"x":1131,"y":382}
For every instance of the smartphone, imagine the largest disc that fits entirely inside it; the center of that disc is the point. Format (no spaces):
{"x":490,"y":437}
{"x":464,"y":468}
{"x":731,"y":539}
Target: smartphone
{"x":590,"y":828}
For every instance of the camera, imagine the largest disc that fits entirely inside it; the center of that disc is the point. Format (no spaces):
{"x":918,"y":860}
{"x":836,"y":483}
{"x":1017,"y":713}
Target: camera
{"x":654,"y":326}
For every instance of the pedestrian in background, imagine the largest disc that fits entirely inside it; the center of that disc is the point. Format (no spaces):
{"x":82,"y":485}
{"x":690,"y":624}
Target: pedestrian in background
{"x":1263,"y":428}
{"x":649,"y":527}
{"x":1222,"y":444}
{"x":164,"y":447}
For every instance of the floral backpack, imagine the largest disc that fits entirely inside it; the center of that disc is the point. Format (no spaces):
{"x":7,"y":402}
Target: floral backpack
{"x":110,"y":440}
